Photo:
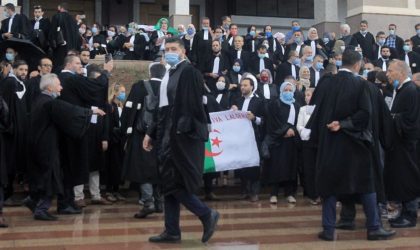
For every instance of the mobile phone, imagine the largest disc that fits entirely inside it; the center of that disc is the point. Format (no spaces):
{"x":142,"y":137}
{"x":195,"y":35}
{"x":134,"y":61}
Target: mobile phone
{"x":108,"y":57}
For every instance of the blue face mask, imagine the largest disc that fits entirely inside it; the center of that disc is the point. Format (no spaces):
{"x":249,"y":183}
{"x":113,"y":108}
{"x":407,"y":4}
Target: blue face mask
{"x":121,"y":96}
{"x":261,"y":56}
{"x":296,"y":28}
{"x":172,"y":58}
{"x":6,"y":15}
{"x":298,"y":40}
{"x":252,"y":33}
{"x":130,"y":30}
{"x":190,"y":31}
{"x":406,"y":48}
{"x":319,"y":66}
{"x":236,"y":68}
{"x":418,"y":32}
{"x":338,"y":63}
{"x":268,"y":34}
{"x":381,"y":42}
{"x":10,"y":57}
{"x":94,"y":30}
{"x":365,"y":72}
{"x":287,"y":96}
{"x":296,"y":61}
{"x":395,"y":84}
{"x":309,"y":58}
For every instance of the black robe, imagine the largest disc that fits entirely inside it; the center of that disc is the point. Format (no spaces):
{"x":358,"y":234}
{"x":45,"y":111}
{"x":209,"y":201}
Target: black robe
{"x":4,"y":126}
{"x":15,"y":140}
{"x":99,"y":50}
{"x":139,"y":48}
{"x":366,"y":43}
{"x":223,"y":67}
{"x":282,"y":164}
{"x":402,"y":174}
{"x":344,"y":163}
{"x":284,"y":70}
{"x":32,"y":91}
{"x":139,"y":165}
{"x":115,"y":153}
{"x":381,"y":132}
{"x":256,"y":106}
{"x":69,"y":29}
{"x":49,"y":118}
{"x":21,"y":27}
{"x":254,"y":65}
{"x":81,"y":91}
{"x":202,"y":50}
{"x":40,"y":36}
{"x":182,"y":131}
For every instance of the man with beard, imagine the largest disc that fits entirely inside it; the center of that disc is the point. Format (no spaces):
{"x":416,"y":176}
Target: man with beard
{"x":181,"y":134}
{"x":13,"y":90}
{"x":49,"y":116}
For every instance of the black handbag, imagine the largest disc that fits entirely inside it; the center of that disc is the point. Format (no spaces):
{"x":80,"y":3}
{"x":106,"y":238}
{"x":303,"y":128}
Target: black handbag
{"x":150,"y":104}
{"x":59,"y":37}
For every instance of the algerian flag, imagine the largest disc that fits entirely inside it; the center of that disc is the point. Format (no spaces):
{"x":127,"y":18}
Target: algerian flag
{"x":231,"y":143}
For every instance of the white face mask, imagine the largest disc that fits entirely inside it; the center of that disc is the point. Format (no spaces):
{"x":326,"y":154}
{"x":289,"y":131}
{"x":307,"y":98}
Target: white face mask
{"x":220,"y":85}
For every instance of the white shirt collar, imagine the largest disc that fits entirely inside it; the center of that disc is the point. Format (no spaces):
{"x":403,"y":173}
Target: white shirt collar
{"x":155,"y":79}
{"x":347,"y":70}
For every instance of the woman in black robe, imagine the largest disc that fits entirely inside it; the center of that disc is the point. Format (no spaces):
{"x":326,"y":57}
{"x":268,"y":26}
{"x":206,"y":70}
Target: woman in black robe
{"x":235,"y":75}
{"x":115,"y":153}
{"x":282,"y":139}
{"x":97,"y":43}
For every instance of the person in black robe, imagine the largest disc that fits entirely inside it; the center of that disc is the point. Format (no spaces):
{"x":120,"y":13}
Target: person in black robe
{"x":224,"y":96}
{"x":381,"y":134}
{"x":97,"y":42}
{"x":13,"y":90}
{"x":41,"y":28}
{"x":235,"y":75}
{"x":48,"y":117}
{"x":410,"y":57}
{"x":282,"y":139}
{"x":20,"y":27}
{"x":63,"y":24}
{"x":32,"y":85}
{"x":251,"y":39}
{"x":202,"y":45}
{"x":272,"y":42}
{"x":364,"y":40}
{"x":86,"y":93}
{"x":254,"y":106}
{"x":260,"y":60}
{"x":141,"y":166}
{"x":266,"y":89}
{"x":134,"y":47}
{"x":402,"y":174}
{"x":341,"y":128}
{"x":237,"y":52}
{"x":181,"y":134}
{"x":188,"y":40}
{"x":4,"y":180}
{"x":288,"y":68}
{"x":217,"y":65}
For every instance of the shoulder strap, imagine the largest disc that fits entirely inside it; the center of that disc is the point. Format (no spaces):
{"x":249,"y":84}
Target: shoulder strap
{"x":148,"y":87}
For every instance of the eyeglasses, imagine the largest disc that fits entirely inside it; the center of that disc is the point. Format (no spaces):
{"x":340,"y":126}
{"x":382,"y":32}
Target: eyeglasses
{"x":46,"y":65}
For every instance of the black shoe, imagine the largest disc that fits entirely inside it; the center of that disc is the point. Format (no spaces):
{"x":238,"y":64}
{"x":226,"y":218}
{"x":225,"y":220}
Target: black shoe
{"x":144,"y":212}
{"x":29,"y":203}
{"x":345,"y":225}
{"x":324,"y":235}
{"x":209,"y":225}
{"x":158,"y":207}
{"x":380,"y":234}
{"x":69,"y":210}
{"x":402,"y":223}
{"x":165,"y":238}
{"x":45,"y":216}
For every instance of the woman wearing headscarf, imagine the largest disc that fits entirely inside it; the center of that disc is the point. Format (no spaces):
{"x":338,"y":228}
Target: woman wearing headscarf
{"x":266,"y":89}
{"x":273,"y":44}
{"x":281,"y":140}
{"x":251,"y":39}
{"x":188,"y":39}
{"x":316,"y":43}
{"x":135,"y":44}
{"x":235,"y":75}
{"x":223,"y":94}
{"x":158,"y":37}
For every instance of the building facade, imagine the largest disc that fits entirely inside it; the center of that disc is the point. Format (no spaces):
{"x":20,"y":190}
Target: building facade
{"x":323,"y":14}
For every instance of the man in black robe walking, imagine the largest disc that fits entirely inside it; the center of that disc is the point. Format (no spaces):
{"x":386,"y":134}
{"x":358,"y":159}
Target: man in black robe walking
{"x":402,"y":174}
{"x":341,"y":128}
{"x":181,"y":134}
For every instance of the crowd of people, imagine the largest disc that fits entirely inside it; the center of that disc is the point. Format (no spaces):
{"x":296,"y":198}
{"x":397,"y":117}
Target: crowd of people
{"x":337,"y":115}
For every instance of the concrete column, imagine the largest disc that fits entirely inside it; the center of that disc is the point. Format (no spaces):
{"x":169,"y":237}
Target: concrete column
{"x":136,"y":11}
{"x":179,"y":12}
{"x":98,"y":11}
{"x":411,"y":4}
{"x":326,"y":16}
